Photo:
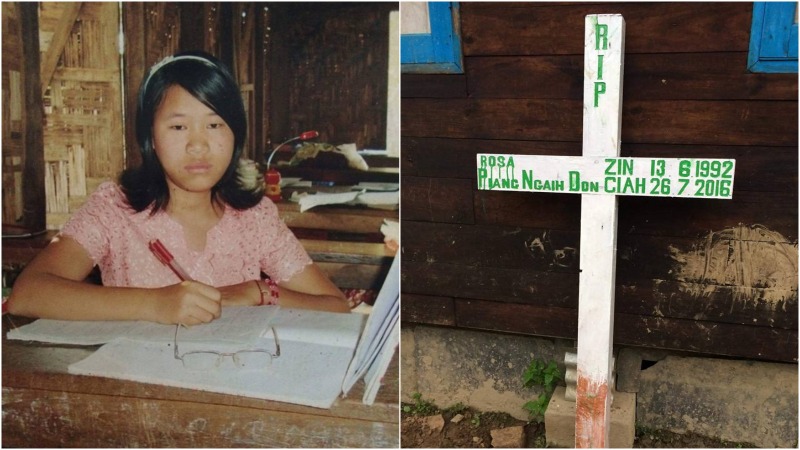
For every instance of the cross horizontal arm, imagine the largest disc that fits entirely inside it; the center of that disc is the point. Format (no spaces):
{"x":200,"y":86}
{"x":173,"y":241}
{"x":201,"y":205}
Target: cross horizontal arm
{"x":652,"y":177}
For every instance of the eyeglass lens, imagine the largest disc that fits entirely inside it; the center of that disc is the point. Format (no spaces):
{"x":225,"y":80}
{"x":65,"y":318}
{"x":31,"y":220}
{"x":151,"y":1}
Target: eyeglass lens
{"x":245,"y":359}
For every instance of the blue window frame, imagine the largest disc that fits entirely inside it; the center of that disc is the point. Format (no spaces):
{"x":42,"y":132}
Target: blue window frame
{"x":773,"y":38}
{"x":438,"y":51}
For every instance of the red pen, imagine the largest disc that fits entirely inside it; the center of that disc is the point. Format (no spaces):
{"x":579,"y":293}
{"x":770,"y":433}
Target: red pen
{"x":166,"y":257}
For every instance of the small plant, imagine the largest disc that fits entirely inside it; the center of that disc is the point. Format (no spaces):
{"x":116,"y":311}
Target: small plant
{"x":458,"y":408}
{"x":546,"y":376}
{"x":476,"y":420}
{"x":420,"y":407}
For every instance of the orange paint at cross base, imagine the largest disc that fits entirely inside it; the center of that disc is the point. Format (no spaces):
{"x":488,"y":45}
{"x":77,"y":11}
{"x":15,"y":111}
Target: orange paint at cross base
{"x":590,"y":413}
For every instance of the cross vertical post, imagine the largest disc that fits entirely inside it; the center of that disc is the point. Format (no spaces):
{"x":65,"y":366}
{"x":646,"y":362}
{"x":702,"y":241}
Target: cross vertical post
{"x":602,"y":110}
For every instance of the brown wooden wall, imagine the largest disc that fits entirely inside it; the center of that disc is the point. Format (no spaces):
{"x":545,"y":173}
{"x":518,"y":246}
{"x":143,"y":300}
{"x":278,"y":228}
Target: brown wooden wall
{"x":706,"y":276}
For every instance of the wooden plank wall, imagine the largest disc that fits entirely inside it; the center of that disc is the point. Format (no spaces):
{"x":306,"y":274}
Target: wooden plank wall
{"x":705,"y":276}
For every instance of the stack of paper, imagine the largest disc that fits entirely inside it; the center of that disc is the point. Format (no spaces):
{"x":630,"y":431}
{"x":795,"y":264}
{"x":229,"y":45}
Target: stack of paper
{"x":316,"y":349}
{"x":380,"y":338}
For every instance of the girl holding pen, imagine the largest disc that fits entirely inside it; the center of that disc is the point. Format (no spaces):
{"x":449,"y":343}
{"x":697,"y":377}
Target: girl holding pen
{"x":218,"y":236}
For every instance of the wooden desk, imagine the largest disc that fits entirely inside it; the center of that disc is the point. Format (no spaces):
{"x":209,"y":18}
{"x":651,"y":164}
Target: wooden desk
{"x":44,"y":406}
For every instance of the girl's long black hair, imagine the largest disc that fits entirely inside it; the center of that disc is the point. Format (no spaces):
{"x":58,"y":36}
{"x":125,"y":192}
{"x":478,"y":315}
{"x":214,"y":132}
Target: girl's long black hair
{"x":209,"y":81}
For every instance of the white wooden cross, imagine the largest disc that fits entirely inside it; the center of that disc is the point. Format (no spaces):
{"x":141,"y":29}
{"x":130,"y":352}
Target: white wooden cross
{"x":600,"y":175}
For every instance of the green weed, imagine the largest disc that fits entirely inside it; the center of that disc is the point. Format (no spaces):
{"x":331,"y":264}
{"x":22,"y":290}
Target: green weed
{"x":458,"y":408}
{"x":420,"y":407}
{"x":476,"y":420}
{"x":544,"y":375}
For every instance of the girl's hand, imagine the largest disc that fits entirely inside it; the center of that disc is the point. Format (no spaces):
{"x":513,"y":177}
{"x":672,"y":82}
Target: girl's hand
{"x":242,"y":294}
{"x":189,"y":303}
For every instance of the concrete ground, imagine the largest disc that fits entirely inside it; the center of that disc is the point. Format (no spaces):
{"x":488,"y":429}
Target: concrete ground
{"x":741,"y":401}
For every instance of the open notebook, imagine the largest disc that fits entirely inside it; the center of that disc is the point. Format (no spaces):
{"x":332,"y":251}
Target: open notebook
{"x":322,"y":354}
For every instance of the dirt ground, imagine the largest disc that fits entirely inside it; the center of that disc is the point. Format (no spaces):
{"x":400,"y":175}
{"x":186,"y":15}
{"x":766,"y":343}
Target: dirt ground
{"x":474,"y":428}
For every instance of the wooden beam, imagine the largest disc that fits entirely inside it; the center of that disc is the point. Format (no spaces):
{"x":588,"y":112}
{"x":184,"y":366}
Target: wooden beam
{"x":133,"y":15}
{"x":192,"y":26}
{"x":347,"y":252}
{"x":69,"y":15}
{"x":34,"y":215}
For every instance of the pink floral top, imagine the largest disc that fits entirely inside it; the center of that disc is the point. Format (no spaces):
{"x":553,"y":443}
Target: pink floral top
{"x":239,"y":247}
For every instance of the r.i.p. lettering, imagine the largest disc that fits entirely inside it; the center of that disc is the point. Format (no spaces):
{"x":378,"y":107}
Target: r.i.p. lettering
{"x":601,"y":43}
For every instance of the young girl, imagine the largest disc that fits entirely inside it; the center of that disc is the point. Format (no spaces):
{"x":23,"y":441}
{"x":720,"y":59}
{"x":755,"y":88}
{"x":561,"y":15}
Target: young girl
{"x":190,"y":125}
